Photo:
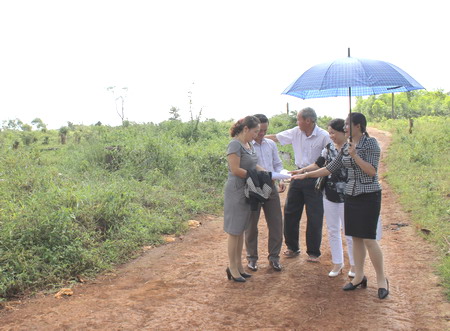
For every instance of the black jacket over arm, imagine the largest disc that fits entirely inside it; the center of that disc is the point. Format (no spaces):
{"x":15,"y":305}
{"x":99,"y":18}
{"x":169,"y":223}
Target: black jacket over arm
{"x":258,"y":187}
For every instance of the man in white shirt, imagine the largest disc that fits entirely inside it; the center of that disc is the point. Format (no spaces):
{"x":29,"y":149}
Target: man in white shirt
{"x":307,"y":140}
{"x":268,"y":158}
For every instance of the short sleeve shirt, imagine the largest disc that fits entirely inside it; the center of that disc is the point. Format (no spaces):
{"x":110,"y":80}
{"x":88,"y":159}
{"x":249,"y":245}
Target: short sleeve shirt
{"x":306,"y":149}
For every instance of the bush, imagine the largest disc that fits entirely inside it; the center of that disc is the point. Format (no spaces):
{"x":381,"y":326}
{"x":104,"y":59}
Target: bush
{"x":419,"y":164}
{"x":93,"y":202}
{"x":406,"y":105}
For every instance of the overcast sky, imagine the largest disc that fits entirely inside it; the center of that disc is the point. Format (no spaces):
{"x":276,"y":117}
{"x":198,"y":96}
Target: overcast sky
{"x":236,"y":57}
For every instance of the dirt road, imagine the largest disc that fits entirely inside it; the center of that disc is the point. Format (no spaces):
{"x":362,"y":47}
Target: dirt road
{"x":183,"y":286}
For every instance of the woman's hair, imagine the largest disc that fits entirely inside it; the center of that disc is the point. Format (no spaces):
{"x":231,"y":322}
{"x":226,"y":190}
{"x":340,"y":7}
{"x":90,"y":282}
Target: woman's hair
{"x":358,"y":118}
{"x":337,"y":124}
{"x":248,"y":121}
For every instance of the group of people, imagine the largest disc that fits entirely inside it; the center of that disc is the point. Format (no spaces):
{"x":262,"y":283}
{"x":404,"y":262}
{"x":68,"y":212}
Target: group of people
{"x":350,"y":197}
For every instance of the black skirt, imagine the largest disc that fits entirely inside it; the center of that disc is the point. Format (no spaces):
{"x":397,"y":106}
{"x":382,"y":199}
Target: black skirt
{"x":361,"y":214}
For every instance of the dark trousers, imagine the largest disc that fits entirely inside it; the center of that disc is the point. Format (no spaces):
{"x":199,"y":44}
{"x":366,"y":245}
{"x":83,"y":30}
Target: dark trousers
{"x":302,"y":193}
{"x":274,"y":219}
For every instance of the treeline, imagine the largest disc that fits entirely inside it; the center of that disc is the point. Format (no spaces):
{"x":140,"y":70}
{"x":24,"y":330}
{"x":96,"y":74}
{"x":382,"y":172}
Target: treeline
{"x":404,"y":105}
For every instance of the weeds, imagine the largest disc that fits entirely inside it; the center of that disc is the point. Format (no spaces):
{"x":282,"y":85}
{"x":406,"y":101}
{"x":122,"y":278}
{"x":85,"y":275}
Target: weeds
{"x":93,"y":202}
{"x":419,"y":168}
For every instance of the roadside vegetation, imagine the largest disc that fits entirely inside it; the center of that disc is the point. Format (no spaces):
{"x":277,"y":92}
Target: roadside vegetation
{"x":419,"y":161}
{"x":79,"y":200}
{"x":419,"y":171}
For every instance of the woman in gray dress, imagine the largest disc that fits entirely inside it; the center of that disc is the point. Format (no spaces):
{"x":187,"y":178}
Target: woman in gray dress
{"x":241,"y":157}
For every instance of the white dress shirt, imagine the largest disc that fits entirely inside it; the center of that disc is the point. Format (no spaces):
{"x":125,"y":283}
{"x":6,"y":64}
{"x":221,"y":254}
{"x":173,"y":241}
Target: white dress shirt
{"x":306,"y":149}
{"x":268,"y":157}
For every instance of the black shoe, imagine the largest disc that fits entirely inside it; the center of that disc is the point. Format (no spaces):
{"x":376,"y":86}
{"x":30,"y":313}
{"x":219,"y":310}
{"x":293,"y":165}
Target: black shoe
{"x":245,"y":275}
{"x":383,"y":292}
{"x":276,"y":265}
{"x":252,"y":265}
{"x":230,"y":276}
{"x":351,"y":287}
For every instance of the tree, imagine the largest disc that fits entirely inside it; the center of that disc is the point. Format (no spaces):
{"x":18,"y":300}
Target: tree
{"x":174,"y":114}
{"x":407,"y":105}
{"x":63,"y":134}
{"x":71,"y":126}
{"x":193,"y":133}
{"x":12,"y":124}
{"x":283,"y":122}
{"x":119,"y":98}
{"x":40,"y":125}
{"x":26,"y":127}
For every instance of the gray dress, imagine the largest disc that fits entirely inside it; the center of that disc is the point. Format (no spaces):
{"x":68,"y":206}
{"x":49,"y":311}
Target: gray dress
{"x":236,"y":209}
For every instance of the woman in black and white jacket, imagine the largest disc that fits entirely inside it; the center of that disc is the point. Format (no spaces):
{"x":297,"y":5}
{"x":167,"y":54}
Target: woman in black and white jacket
{"x":362,"y":200}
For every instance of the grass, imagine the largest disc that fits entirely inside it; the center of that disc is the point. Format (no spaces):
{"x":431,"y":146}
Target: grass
{"x":82,"y":207}
{"x":418,"y":170}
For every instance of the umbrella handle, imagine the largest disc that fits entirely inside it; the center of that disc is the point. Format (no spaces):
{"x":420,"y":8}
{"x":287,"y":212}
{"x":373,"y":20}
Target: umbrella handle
{"x":350,"y":107}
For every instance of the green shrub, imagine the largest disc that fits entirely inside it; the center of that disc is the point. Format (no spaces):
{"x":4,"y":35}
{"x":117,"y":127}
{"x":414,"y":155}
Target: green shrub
{"x":84,"y":206}
{"x":419,"y":167}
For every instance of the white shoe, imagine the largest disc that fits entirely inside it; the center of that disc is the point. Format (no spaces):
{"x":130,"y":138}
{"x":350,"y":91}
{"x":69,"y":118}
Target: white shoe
{"x":335,"y":273}
{"x":351,"y":274}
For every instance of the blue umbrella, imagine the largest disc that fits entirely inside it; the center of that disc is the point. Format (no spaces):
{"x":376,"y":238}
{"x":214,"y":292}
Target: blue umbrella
{"x":351,"y":77}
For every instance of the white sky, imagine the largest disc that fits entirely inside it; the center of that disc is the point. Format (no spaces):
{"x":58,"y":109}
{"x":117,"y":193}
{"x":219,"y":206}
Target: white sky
{"x":58,"y":57}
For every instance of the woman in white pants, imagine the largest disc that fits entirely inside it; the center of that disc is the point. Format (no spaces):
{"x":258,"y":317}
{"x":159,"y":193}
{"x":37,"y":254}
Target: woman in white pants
{"x":333,"y":198}
{"x":334,"y":215}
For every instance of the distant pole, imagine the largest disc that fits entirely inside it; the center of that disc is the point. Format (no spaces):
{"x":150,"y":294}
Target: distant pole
{"x":287,"y":108}
{"x":392,"y":105}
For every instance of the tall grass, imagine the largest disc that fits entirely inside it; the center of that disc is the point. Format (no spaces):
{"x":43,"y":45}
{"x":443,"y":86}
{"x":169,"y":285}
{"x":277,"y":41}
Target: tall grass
{"x":84,"y":206}
{"x":419,"y":170}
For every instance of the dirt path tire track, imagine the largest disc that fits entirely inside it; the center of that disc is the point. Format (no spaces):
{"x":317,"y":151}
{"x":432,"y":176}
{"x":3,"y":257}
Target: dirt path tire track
{"x":183,"y":286}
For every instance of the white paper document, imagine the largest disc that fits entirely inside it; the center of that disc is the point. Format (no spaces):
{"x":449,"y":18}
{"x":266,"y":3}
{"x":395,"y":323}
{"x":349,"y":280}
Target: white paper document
{"x":281,"y":175}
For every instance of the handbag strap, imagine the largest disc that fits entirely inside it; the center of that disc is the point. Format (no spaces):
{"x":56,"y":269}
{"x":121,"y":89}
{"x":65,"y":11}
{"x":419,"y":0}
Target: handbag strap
{"x":328,"y":147}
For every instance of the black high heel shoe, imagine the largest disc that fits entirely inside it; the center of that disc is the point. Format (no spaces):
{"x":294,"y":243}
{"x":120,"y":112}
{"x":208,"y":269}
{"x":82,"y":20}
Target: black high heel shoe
{"x":351,"y":287}
{"x":383,"y":292}
{"x":230,"y":277}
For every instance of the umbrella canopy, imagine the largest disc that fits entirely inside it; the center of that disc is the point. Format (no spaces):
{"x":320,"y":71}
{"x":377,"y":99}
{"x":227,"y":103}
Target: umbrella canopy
{"x":351,"y":77}
{"x":362,"y":76}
